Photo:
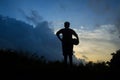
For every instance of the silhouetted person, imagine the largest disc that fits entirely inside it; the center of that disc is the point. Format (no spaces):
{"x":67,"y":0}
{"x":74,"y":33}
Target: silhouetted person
{"x":65,"y":36}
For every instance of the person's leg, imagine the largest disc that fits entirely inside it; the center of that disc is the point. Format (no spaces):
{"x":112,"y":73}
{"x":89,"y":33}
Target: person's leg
{"x":70,"y":60}
{"x":65,"y":59}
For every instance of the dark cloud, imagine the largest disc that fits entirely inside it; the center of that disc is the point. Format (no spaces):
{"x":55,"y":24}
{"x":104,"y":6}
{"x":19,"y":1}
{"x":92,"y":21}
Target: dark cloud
{"x":41,"y":40}
{"x":18,"y":35}
{"x":33,"y":16}
{"x":85,"y":57}
{"x":117,"y":23}
{"x":78,"y":61}
{"x":107,"y":7}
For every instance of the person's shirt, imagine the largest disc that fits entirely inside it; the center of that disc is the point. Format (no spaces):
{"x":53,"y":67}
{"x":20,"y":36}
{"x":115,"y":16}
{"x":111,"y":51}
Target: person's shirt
{"x":66,"y":35}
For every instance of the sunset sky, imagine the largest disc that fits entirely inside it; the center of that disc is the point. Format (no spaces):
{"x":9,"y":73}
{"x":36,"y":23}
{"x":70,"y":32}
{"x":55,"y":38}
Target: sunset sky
{"x":97,"y":22}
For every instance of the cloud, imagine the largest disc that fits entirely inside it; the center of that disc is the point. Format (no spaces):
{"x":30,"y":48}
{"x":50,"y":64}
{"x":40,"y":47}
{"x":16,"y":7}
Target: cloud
{"x":98,"y":44}
{"x":85,"y":57}
{"x":33,"y":16}
{"x":40,"y":39}
{"x":18,"y":35}
{"x":107,"y":7}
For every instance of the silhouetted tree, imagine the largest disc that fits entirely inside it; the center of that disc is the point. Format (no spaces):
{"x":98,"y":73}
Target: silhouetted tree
{"x":115,"y":61}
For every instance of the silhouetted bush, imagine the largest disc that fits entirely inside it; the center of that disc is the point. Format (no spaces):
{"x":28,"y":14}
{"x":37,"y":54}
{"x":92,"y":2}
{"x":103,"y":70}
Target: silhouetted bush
{"x":14,"y":59}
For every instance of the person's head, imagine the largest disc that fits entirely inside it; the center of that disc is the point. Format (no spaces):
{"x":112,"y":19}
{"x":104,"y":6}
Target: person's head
{"x":67,"y":24}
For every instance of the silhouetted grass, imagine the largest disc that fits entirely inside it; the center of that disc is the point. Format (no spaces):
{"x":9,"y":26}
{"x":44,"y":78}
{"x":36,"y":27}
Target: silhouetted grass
{"x":25,"y":65}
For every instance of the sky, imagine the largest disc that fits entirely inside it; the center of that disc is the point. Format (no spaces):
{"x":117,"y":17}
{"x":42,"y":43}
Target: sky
{"x":97,"y":22}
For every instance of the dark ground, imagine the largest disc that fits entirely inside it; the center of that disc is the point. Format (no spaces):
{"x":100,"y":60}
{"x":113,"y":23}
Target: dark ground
{"x":18,"y":65}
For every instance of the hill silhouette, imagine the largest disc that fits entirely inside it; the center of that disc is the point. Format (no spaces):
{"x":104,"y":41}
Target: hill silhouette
{"x":24,"y":65}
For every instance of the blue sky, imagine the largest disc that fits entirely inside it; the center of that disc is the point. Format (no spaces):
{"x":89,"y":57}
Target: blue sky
{"x":92,"y":19}
{"x":79,"y":12}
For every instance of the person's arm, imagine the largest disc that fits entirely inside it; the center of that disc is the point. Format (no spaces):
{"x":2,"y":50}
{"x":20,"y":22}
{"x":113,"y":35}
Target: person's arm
{"x":58,"y":34}
{"x":75,"y":34}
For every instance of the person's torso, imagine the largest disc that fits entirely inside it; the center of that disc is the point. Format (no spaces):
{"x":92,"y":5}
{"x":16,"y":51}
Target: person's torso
{"x":67,"y":36}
